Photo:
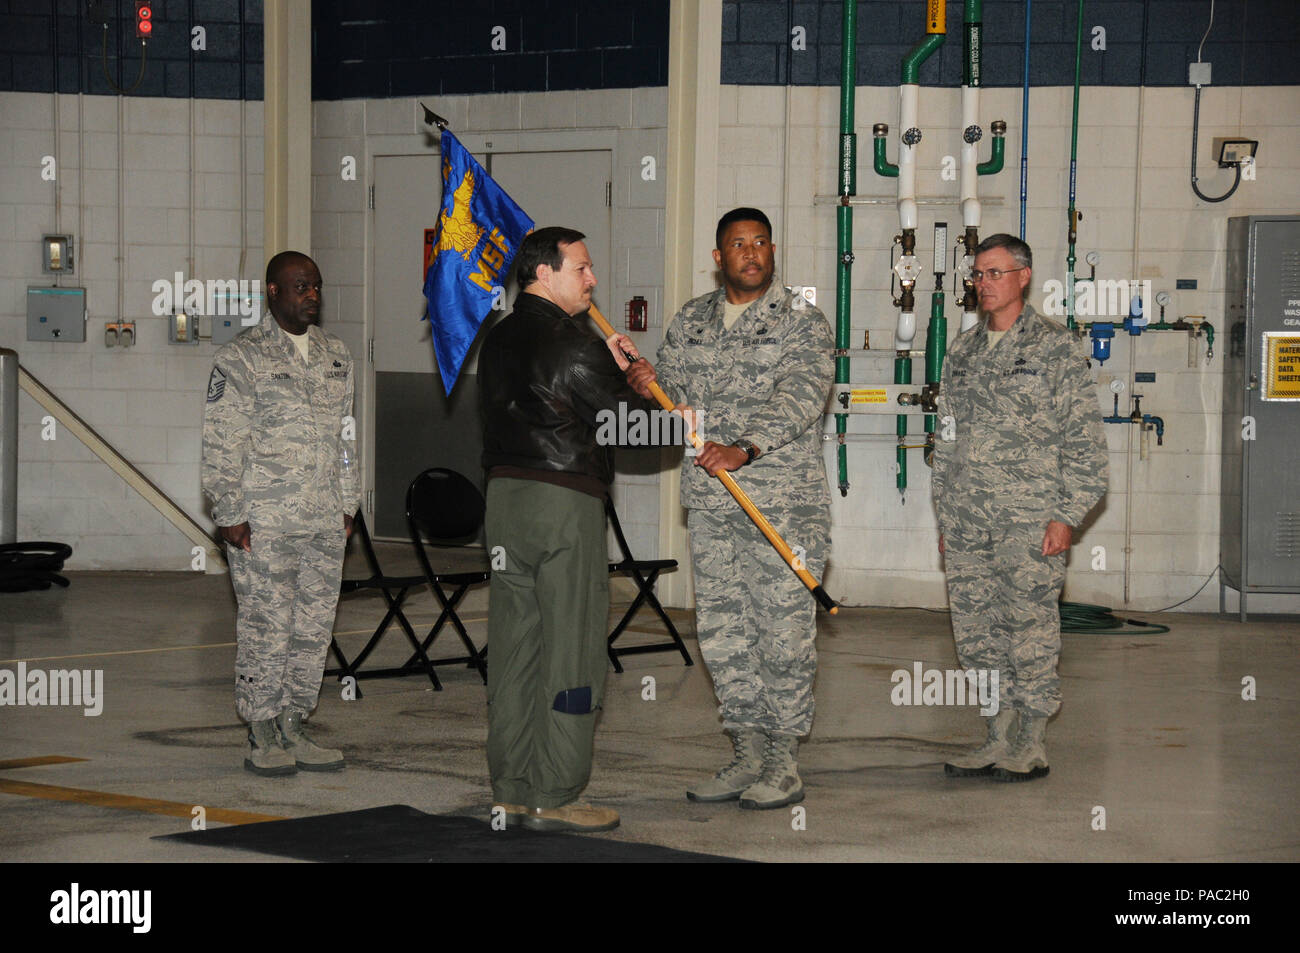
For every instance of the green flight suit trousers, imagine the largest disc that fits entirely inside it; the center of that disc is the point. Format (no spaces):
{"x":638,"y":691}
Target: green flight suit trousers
{"x":547,"y":614}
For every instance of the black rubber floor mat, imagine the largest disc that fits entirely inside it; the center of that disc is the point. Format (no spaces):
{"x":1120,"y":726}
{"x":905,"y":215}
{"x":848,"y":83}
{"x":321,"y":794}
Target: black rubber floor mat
{"x":401,"y":834}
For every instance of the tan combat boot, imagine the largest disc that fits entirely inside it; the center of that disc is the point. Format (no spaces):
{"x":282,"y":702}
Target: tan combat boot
{"x":1027,"y":758}
{"x":266,"y":756}
{"x":308,"y":755}
{"x":979,"y":762}
{"x":745,"y":767}
{"x":779,"y":784}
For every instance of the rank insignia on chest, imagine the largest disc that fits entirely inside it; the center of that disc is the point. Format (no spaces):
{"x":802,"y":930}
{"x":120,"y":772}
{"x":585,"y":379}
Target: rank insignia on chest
{"x":337,"y":364}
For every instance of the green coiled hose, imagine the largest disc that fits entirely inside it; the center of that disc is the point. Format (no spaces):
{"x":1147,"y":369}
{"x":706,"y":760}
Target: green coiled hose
{"x":1099,"y":620}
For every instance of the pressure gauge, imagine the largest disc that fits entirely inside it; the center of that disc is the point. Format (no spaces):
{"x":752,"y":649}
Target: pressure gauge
{"x":1162,"y":298}
{"x":1117,"y":386}
{"x":1092,"y":258}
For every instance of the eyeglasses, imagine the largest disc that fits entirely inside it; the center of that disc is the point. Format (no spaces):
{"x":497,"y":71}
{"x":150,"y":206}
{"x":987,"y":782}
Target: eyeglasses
{"x":993,"y":274}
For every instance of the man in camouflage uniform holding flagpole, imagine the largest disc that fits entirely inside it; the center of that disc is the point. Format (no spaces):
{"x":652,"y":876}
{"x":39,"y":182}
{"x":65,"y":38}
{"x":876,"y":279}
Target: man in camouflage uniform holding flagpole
{"x":754,"y":363}
{"x":1021,"y":460}
{"x":279,"y":467}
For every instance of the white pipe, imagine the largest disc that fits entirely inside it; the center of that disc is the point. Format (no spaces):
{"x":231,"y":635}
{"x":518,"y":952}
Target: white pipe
{"x":970,"y":203}
{"x":969,"y":319}
{"x":907,"y":96}
{"x":906,"y":332}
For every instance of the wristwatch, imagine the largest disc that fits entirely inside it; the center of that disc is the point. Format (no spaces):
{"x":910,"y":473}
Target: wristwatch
{"x":751,"y":451}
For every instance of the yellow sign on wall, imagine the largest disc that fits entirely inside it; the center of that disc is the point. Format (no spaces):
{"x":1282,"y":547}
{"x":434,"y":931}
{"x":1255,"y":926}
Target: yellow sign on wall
{"x":1281,"y":366}
{"x":869,"y":397}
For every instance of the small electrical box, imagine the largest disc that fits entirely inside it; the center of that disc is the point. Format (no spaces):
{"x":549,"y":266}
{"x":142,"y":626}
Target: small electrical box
{"x":56,"y":254}
{"x":56,"y":314}
{"x":222,"y":327}
{"x":1233,"y":152}
{"x":183,"y":329}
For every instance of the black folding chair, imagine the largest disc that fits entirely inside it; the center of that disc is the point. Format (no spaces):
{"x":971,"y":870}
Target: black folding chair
{"x":446,"y":509}
{"x":387,"y":585}
{"x":636,"y":568}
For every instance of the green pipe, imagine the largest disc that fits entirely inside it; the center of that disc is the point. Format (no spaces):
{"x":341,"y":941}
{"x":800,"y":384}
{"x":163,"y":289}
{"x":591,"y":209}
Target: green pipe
{"x":844,"y":221}
{"x":918,"y":55}
{"x":1073,"y":214}
{"x":902,"y":375}
{"x":883,"y":165}
{"x":972,"y":21}
{"x":994,"y":165}
{"x":936,"y":343}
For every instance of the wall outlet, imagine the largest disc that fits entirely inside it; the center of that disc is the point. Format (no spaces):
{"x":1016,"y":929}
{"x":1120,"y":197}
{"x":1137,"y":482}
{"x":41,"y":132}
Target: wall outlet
{"x":1198,"y":74}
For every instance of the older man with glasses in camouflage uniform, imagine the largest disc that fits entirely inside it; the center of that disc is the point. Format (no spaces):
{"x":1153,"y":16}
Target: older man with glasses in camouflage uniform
{"x":1020,"y":462}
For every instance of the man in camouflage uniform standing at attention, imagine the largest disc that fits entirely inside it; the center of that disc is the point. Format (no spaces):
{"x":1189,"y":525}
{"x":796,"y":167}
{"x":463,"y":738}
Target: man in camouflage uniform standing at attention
{"x":279,"y":467}
{"x":754,"y":362}
{"x":1021,"y":460}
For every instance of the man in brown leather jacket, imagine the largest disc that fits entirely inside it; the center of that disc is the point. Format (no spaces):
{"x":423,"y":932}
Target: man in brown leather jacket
{"x":543,"y":379}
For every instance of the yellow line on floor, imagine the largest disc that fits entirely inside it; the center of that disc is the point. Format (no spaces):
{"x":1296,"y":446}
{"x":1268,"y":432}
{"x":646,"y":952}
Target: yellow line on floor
{"x":126,"y":802}
{"x":37,"y":762}
{"x":174,"y":648}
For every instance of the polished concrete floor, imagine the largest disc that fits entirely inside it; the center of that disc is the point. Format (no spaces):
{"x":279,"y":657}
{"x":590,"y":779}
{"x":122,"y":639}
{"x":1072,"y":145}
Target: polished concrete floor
{"x":1154,"y":745}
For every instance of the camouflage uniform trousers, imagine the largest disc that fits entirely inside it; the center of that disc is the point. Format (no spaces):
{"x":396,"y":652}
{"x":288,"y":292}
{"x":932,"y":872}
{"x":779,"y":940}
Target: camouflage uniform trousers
{"x":288,"y":590}
{"x":1004,"y":596}
{"x":756,"y":620}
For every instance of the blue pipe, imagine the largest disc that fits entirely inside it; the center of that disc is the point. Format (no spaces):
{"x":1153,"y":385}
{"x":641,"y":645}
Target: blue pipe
{"x":1024,"y":128}
{"x":1146,"y":420}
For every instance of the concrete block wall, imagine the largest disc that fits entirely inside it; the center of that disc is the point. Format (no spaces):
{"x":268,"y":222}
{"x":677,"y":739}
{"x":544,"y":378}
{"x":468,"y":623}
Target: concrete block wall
{"x":779,"y":150}
{"x":146,"y":400}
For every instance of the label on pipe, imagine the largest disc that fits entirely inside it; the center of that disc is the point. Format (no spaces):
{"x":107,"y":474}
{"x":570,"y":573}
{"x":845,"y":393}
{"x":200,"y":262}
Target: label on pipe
{"x":868,"y":397}
{"x":936,"y":16}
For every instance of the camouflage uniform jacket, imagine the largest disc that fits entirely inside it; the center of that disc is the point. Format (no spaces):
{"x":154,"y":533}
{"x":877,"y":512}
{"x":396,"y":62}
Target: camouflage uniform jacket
{"x":273,"y":433}
{"x":1026,"y":425}
{"x":767,"y":381}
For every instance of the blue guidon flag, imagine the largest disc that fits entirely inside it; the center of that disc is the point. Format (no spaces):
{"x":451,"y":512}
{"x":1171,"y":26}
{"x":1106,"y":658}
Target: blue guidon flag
{"x":479,"y":231}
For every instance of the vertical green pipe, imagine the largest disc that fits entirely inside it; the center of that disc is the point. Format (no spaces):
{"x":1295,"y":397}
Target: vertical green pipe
{"x":972,"y":21}
{"x":1073,"y":215}
{"x":902,"y":375}
{"x":936,"y":343}
{"x":844,"y":221}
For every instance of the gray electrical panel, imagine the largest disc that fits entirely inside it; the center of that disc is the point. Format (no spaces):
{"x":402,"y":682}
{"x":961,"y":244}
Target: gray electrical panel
{"x":56,"y":314}
{"x":1259,"y":524}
